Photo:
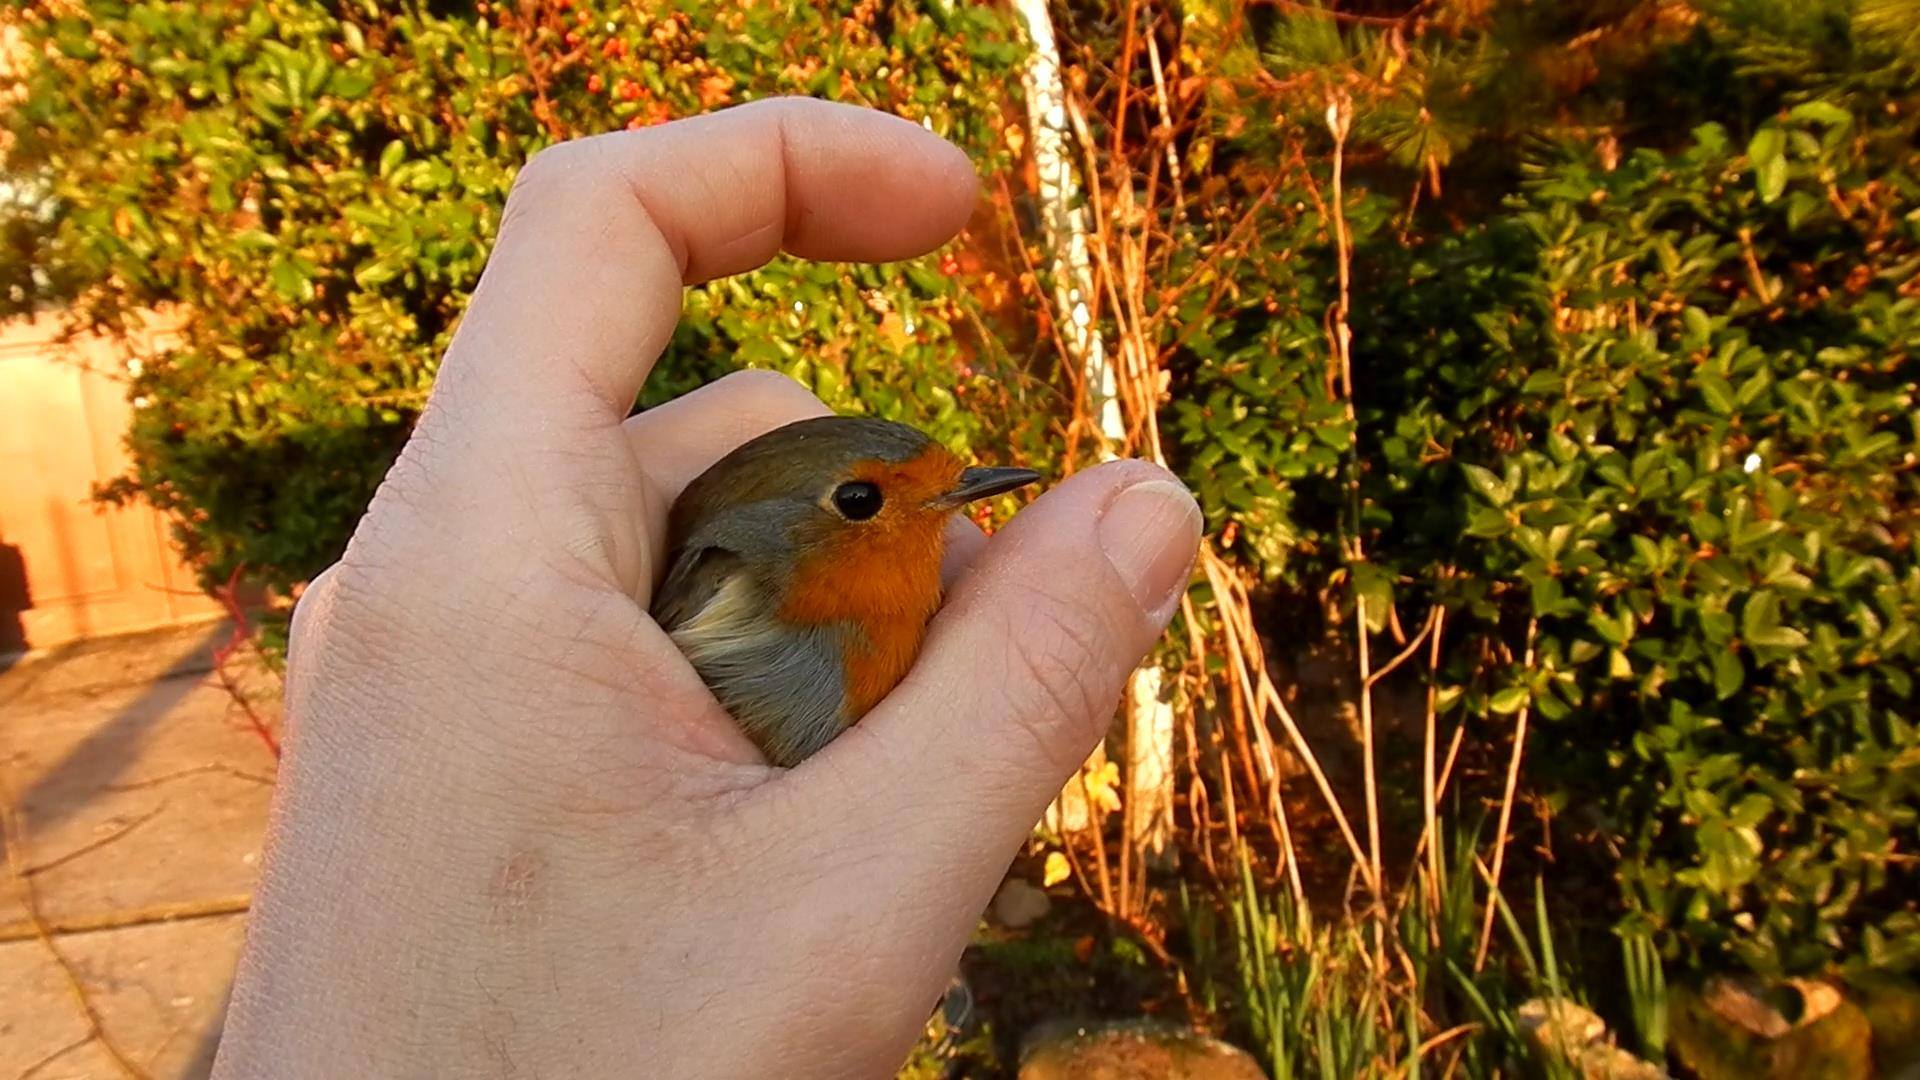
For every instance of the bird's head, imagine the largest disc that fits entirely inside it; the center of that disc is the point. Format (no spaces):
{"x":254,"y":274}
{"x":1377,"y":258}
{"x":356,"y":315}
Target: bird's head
{"x":854,"y":510}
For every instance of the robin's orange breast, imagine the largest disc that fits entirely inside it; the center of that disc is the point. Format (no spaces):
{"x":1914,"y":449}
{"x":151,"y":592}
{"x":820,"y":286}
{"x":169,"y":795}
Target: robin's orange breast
{"x":886,"y":582}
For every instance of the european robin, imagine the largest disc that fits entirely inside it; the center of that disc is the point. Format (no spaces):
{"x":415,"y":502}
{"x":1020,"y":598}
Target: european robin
{"x":803,"y":568}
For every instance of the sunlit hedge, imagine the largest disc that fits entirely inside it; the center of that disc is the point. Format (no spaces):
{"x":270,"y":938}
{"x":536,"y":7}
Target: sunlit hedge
{"x":314,"y":187}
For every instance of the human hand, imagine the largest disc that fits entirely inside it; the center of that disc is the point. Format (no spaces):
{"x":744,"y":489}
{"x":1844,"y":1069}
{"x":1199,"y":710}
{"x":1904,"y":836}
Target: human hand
{"x":514,"y":833}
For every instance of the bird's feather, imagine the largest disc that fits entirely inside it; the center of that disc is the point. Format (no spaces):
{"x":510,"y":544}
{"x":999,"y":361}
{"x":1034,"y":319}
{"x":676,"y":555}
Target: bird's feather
{"x":784,"y":684}
{"x":691,"y":582}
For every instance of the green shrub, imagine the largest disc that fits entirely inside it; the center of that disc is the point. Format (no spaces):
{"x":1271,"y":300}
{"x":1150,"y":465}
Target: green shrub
{"x":312,"y":189}
{"x":1708,"y":385}
{"x":1647,"y":413}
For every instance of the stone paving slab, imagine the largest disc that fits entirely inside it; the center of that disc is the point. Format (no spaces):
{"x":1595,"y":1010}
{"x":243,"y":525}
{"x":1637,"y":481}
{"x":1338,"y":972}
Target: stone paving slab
{"x":161,"y":991}
{"x":135,"y":785}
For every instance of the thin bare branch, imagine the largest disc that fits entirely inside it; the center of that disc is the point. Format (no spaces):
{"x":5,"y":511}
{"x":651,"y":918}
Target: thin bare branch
{"x":1506,"y":810}
{"x":1433,"y":620}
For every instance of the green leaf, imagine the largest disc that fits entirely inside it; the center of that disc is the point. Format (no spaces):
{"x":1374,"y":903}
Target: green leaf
{"x":1729,"y":674}
{"x":1618,"y":666}
{"x":1486,"y":522}
{"x":1508,"y":700}
{"x":1820,"y":112}
{"x":1779,"y":637}
{"x":350,"y":83}
{"x":1375,"y":585}
{"x":1490,"y":487}
{"x":289,"y":280}
{"x":1717,"y":392}
{"x":1760,"y":615}
{"x":1771,"y":179}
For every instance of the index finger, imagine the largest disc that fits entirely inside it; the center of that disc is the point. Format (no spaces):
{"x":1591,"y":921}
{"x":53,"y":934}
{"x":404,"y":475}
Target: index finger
{"x":601,"y":234}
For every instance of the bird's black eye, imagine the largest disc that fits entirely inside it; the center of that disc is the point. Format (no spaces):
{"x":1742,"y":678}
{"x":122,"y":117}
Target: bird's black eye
{"x":857,"y":500}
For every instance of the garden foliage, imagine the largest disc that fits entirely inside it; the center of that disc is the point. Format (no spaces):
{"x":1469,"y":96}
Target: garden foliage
{"x":311,"y":188}
{"x":1633,"y":373}
{"x":1635,"y":403}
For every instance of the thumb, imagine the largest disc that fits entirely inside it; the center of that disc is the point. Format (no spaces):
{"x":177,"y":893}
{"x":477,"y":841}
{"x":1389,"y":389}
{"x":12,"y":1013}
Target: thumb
{"x":1024,"y":665}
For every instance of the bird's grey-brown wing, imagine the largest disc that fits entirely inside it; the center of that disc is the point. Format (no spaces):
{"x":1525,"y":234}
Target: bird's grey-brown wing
{"x":696,"y":575}
{"x":785,"y":685}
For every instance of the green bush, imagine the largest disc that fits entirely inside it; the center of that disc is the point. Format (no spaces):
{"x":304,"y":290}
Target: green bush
{"x":1707,"y":384}
{"x":1641,"y":405}
{"x":312,"y":188}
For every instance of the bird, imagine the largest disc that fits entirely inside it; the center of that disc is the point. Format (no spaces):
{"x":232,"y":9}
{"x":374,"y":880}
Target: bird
{"x":804,"y":566}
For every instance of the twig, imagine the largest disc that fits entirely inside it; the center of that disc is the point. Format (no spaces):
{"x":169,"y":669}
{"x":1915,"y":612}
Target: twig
{"x":1095,"y":826}
{"x":1266,"y":697}
{"x":1755,"y":277}
{"x":1506,"y":811}
{"x":1451,"y":1033}
{"x":1302,"y":8}
{"x":85,"y":849}
{"x":229,"y":597}
{"x":1430,"y":796}
{"x":1339,"y":121}
{"x":1433,"y":620}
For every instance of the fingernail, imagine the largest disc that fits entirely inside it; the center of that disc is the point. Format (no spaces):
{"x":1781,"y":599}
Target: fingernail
{"x":1150,"y":533}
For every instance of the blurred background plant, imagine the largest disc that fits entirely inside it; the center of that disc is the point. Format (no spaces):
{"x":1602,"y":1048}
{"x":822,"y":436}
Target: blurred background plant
{"x":1546,"y":373}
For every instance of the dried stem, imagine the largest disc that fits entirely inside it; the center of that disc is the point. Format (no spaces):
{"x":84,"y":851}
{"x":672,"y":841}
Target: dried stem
{"x":182,"y":911}
{"x":1433,"y":620}
{"x":1094,"y":829}
{"x":1506,"y":810}
{"x":228,"y":596}
{"x":1258,"y":688}
{"x":1429,"y":790}
{"x":1339,"y":120}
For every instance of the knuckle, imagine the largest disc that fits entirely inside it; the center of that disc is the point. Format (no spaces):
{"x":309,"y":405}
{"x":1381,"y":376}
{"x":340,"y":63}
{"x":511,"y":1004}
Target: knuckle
{"x":555,"y":168}
{"x":562,"y":172}
{"x":767,"y":391}
{"x":757,"y":401}
{"x":311,"y":606}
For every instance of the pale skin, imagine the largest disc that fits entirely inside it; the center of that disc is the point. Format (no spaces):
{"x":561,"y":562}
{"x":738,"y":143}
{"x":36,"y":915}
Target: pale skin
{"x":515,"y":835}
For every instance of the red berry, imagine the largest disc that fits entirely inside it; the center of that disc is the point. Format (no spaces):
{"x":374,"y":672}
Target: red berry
{"x":573,"y":39}
{"x":629,"y":90}
{"x":594,"y":84}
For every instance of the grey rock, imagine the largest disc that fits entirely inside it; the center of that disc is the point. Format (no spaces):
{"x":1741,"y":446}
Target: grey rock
{"x":1574,"y":1034}
{"x":1019,"y":905}
{"x":1131,"y":1050}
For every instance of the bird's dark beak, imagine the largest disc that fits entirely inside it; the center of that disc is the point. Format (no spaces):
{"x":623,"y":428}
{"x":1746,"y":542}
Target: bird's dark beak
{"x":978,"y":483}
